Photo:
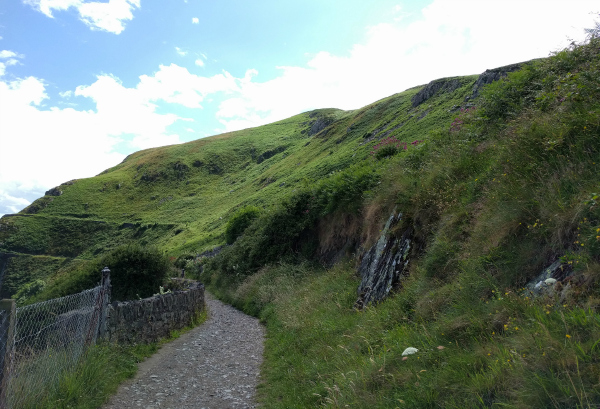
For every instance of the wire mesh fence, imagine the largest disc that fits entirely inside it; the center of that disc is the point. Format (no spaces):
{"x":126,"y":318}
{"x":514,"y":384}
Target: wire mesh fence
{"x":47,"y":341}
{"x":7,"y":313}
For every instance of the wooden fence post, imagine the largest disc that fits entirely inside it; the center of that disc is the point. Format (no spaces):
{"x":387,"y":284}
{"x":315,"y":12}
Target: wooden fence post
{"x":7,"y":325}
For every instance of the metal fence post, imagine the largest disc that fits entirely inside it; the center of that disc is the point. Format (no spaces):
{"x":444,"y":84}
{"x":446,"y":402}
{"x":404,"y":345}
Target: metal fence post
{"x":7,"y":325}
{"x":105,"y":301}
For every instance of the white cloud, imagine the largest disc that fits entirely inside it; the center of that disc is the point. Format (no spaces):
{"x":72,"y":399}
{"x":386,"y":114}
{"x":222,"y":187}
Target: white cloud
{"x":450,"y":38}
{"x":180,"y":52}
{"x":11,"y":204}
{"x":46,"y":6}
{"x":195,"y":20}
{"x":199,"y":62}
{"x":175,"y":84}
{"x":41,"y":148}
{"x":108,"y":16}
{"x":11,"y":59}
{"x":7,"y":54}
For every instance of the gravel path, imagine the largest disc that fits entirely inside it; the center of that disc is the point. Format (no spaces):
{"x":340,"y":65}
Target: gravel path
{"x":215,"y":365}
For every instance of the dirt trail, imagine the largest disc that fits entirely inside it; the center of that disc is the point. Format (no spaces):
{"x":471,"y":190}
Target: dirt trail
{"x":215,"y":365}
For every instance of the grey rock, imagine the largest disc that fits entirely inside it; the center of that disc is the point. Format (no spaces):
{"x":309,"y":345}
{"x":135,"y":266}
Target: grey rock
{"x":55,"y":191}
{"x":489,"y":76}
{"x":155,"y":317}
{"x":442,"y":85}
{"x":319,"y":124}
{"x":384,"y":265}
{"x":546,"y":283}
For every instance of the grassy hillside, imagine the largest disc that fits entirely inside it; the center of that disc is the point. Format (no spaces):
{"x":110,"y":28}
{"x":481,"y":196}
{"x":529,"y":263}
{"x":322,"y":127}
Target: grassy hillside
{"x":493,"y":198}
{"x":180,"y":197}
{"x":492,"y":190}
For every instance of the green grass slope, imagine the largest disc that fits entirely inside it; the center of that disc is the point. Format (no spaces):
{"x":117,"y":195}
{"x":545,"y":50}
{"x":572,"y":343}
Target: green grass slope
{"x":493,"y":198}
{"x":180,"y":197}
{"x":492,"y":194}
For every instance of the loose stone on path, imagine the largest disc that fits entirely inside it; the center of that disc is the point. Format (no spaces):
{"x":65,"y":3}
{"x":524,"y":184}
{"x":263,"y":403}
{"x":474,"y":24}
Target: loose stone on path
{"x":215,"y":365}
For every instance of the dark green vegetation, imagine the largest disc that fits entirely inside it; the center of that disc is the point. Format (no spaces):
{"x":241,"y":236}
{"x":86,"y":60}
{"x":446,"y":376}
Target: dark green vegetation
{"x":239,"y":222}
{"x":135,"y":272}
{"x":494,"y":193}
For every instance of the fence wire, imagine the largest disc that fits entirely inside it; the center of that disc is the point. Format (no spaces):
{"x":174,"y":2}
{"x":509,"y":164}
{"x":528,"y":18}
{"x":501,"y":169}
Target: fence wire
{"x":49,"y":338}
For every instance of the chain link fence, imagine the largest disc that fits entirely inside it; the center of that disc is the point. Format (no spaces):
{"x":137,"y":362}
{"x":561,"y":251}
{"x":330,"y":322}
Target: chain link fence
{"x":46,"y":340}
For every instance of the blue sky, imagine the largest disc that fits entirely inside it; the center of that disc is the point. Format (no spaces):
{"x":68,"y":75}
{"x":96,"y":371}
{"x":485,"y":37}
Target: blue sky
{"x":84,"y":83}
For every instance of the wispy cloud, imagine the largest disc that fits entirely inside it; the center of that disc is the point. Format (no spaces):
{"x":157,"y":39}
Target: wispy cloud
{"x":10,"y":57}
{"x":195,"y":20}
{"x":106,"y":16}
{"x":199,"y":62}
{"x":180,"y":51}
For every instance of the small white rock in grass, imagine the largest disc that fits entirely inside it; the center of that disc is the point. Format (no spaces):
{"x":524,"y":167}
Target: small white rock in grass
{"x":550,"y":281}
{"x":410,"y":351}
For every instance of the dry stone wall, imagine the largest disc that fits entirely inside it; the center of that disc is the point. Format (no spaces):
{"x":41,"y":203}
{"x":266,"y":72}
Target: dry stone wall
{"x":149,"y":319}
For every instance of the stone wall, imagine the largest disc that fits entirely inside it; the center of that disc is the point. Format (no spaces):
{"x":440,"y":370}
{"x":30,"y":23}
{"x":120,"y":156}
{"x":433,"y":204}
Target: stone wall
{"x":147,"y":320}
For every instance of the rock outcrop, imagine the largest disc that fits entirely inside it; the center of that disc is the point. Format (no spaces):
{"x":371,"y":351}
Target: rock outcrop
{"x":552,"y":280}
{"x":489,"y":76}
{"x":439,"y":85}
{"x":319,"y":122}
{"x":383,"y":266}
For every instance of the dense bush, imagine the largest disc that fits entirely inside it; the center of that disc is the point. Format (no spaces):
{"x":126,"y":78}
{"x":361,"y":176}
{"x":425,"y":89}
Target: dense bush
{"x":286,"y":232}
{"x":240,"y":222}
{"x":136,"y":271}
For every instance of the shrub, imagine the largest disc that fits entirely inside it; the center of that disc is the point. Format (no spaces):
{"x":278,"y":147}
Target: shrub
{"x":136,"y":271}
{"x":286,"y":232}
{"x":390,"y":146}
{"x":387,"y":147}
{"x":240,"y":222}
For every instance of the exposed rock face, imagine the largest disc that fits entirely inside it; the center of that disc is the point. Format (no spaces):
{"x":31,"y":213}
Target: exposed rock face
{"x":384,"y":264}
{"x":550,"y":280}
{"x":319,"y":124}
{"x":55,"y":191}
{"x":492,"y":75}
{"x":211,"y":253}
{"x":440,"y":85}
